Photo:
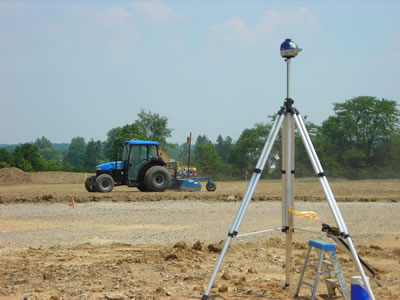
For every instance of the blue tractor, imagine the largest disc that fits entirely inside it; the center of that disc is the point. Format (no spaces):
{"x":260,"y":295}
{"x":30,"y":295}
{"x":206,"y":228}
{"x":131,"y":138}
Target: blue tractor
{"x":142,"y":166}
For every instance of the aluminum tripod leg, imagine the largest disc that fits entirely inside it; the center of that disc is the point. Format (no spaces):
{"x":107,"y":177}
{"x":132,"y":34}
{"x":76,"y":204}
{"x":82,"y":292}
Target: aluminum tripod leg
{"x":247,"y":197}
{"x":331,"y":199}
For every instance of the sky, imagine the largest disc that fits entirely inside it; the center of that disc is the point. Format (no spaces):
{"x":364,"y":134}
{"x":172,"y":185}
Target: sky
{"x":79,"y":68}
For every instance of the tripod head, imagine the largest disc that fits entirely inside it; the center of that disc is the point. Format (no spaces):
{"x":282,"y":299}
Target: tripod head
{"x":289,"y":49}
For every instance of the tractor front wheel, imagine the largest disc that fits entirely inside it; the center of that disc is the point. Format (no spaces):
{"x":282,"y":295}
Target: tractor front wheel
{"x":157,"y":179}
{"x":211,"y":186}
{"x":90,"y":184}
{"x":104,"y":183}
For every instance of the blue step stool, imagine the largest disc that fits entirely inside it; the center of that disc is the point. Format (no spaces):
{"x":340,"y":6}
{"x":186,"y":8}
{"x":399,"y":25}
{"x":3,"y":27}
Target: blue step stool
{"x":327,"y":268}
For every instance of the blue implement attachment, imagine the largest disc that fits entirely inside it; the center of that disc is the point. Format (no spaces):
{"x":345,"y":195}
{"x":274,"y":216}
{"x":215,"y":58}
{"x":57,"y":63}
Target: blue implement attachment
{"x":189,"y":185}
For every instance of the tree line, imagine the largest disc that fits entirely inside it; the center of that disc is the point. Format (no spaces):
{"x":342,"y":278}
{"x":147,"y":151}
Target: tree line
{"x":361,"y":140}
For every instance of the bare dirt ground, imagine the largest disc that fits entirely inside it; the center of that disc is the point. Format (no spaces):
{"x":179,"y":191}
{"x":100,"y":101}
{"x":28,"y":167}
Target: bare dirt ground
{"x":133,"y":245}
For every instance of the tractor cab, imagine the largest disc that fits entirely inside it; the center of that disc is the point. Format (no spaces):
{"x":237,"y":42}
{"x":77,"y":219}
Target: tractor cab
{"x":138,"y":156}
{"x":141,"y":166}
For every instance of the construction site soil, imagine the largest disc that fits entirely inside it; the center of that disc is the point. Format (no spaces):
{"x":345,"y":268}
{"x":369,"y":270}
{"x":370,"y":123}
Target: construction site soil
{"x":57,"y":241}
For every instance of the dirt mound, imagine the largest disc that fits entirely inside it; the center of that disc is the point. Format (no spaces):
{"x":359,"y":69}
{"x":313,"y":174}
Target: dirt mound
{"x":17,"y":176}
{"x":13,"y":176}
{"x":58,"y":177}
{"x":65,"y":185}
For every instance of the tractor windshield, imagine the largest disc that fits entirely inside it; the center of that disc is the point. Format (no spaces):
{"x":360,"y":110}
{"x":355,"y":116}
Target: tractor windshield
{"x":125,"y":152}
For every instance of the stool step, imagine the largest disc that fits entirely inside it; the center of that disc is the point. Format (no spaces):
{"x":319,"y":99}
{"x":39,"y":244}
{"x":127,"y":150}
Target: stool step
{"x":322,"y":245}
{"x":308,"y":284}
{"x":333,"y":281}
{"x":327,"y":262}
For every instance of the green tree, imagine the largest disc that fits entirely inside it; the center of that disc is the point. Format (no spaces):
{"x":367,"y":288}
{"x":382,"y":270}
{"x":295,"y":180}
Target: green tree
{"x":6,"y":159}
{"x":175,"y":151}
{"x":25,"y":165}
{"x":47,"y":151}
{"x":208,"y":161}
{"x":153,"y":126}
{"x":43,"y":143}
{"x":66,"y":167}
{"x":52,"y":166}
{"x":28,"y":158}
{"x":75,"y":155}
{"x":350,"y":142}
{"x":245,"y":153}
{"x":111,"y":143}
{"x":51,"y":154}
{"x":392,"y":147}
{"x":202,"y":140}
{"x":223,"y":146}
{"x":92,"y":154}
{"x":388,"y":158}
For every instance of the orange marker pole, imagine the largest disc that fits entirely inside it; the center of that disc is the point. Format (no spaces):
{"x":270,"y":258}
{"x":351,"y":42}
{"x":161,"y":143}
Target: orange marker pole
{"x":73,"y":202}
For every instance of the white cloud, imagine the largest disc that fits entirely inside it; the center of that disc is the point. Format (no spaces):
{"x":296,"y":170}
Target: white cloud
{"x":112,"y":16}
{"x":289,"y":20}
{"x":157,"y":11}
{"x":234,"y":29}
{"x":272,"y":24}
{"x":112,"y":27}
{"x":122,"y":37}
{"x":122,"y":43}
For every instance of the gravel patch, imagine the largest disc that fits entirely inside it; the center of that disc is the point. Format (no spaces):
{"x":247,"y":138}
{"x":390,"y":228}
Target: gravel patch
{"x":35,"y":225}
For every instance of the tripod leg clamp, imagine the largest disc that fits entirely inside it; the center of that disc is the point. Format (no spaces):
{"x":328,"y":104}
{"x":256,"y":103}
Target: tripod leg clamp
{"x":345,"y":235}
{"x":291,"y":172}
{"x":233,"y":234}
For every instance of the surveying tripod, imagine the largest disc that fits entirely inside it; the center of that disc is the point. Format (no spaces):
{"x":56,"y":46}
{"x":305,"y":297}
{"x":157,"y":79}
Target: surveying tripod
{"x":287,"y":117}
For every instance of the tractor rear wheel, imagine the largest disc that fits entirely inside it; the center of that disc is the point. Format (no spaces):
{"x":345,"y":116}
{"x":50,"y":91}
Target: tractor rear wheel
{"x":157,"y":179}
{"x":104,"y":183}
{"x":90,"y":184}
